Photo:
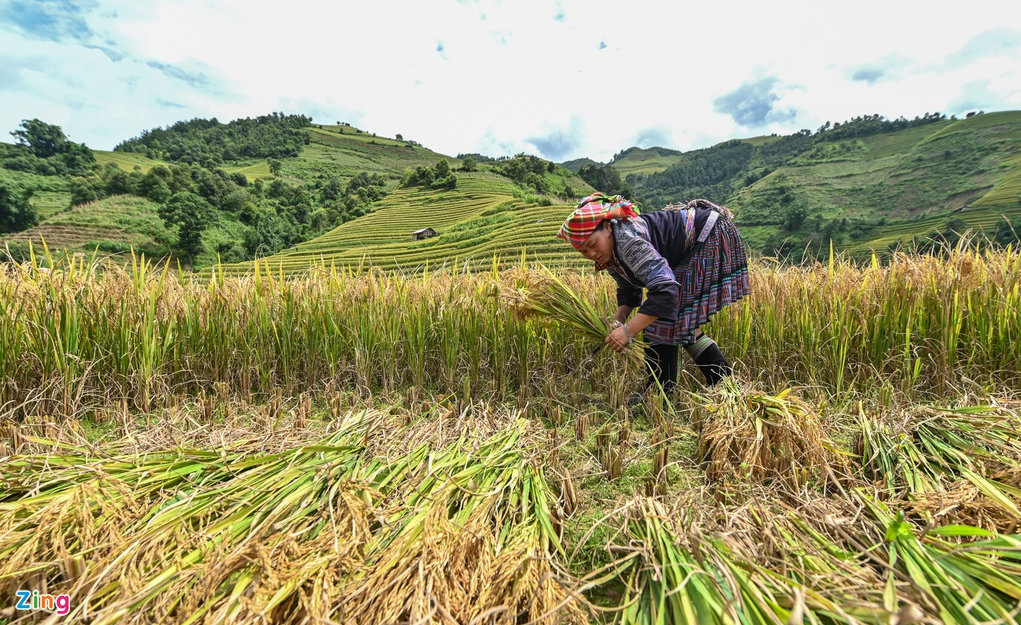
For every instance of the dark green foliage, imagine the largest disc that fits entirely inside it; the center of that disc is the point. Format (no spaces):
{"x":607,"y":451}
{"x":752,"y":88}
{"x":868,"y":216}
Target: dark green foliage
{"x":192,"y":214}
{"x":1007,"y":232}
{"x":866,"y":125}
{"x":16,"y":213}
{"x":42,"y":139}
{"x":269,"y":233}
{"x":263,"y":217}
{"x":44,"y":149}
{"x":793,"y":214}
{"x":707,"y":173}
{"x":438,"y":176}
{"x":475,"y":156}
{"x":209,"y":142}
{"x":603,"y":177}
{"x":469,"y":164}
{"x":85,"y":190}
{"x":524,"y":170}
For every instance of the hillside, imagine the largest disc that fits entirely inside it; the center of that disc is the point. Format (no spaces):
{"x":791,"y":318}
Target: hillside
{"x":862,"y":191}
{"x":485,"y":218}
{"x":347,"y":196}
{"x":644,"y":162}
{"x":260,"y":212}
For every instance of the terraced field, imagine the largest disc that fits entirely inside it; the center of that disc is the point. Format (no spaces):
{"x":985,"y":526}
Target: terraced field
{"x":114,"y":224}
{"x":478,"y":221}
{"x":915,"y":180}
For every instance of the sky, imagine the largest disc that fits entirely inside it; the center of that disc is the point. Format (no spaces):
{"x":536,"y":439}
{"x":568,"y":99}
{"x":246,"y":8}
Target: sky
{"x":560,"y":79}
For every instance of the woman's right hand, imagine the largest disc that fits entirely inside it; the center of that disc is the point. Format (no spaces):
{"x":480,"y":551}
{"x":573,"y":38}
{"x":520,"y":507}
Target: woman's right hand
{"x":618,"y":339}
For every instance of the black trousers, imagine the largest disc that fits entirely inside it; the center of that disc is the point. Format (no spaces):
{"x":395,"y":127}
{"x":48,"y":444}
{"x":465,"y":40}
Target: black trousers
{"x":662,"y":360}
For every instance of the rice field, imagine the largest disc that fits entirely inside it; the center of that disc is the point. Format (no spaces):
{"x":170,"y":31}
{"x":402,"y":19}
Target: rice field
{"x":478,"y":221}
{"x":448,"y":447}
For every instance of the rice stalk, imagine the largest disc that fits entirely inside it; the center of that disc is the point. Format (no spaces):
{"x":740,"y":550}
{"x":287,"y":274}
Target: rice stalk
{"x":550,"y":296}
{"x":977,"y":581}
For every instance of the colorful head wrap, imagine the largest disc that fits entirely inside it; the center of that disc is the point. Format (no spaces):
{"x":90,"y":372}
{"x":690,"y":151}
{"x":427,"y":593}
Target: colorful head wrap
{"x":592,"y":211}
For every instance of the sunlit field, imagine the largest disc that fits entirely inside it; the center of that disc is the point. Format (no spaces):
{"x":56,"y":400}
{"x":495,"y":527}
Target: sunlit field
{"x":369,"y":446}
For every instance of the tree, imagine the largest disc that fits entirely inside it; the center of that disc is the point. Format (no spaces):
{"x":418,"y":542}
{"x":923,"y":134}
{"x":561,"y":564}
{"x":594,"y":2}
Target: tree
{"x":792,"y":215}
{"x":44,"y":140}
{"x":399,"y":137}
{"x":469,"y":164}
{"x":16,"y":213}
{"x":274,"y":166}
{"x":605,"y":178}
{"x":192,"y":215}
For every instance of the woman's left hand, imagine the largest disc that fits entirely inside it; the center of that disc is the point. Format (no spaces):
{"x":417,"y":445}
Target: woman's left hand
{"x":618,"y":339}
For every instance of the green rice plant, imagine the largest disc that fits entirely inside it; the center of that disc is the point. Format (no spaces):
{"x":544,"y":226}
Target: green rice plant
{"x":672,"y":576}
{"x":666,"y":583}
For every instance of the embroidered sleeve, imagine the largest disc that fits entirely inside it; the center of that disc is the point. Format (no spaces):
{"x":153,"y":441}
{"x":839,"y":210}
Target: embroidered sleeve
{"x":654,"y":273}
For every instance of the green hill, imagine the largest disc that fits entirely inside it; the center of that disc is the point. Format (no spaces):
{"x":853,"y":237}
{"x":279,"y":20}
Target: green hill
{"x":338,"y":194}
{"x":884,"y":190}
{"x":257,"y":207}
{"x":485,"y":217}
{"x":112,"y":214}
{"x":644,"y":161}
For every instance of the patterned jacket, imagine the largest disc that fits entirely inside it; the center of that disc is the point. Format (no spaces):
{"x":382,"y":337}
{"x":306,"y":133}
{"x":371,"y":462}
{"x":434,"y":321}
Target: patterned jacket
{"x":650,"y":250}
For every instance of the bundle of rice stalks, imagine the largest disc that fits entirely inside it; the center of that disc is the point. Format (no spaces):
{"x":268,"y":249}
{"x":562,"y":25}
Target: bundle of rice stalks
{"x":665,"y":583}
{"x":978,"y":581}
{"x":549,"y":296}
{"x":795,"y":554}
{"x":473,"y":539}
{"x":176,"y":536}
{"x":677,"y":577}
{"x":926,"y":451}
{"x":960,"y":502}
{"x":747,"y":434}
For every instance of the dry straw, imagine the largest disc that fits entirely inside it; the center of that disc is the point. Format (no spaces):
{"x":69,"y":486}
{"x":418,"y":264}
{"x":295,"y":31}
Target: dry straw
{"x":322,"y":531}
{"x":745,"y":433}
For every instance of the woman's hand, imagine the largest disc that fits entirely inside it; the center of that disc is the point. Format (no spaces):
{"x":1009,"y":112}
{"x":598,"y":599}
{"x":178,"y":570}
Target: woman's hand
{"x":618,"y":339}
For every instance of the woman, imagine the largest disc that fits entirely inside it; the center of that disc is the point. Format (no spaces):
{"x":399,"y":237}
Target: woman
{"x":689,"y":258}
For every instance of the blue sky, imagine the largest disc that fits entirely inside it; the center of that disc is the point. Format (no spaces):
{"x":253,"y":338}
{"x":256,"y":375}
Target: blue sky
{"x":561,"y":79}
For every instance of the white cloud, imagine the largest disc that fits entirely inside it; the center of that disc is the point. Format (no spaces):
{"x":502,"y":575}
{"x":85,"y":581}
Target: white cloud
{"x":572,"y":78}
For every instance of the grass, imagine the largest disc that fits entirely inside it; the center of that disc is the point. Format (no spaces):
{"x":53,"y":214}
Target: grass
{"x":128,"y":161}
